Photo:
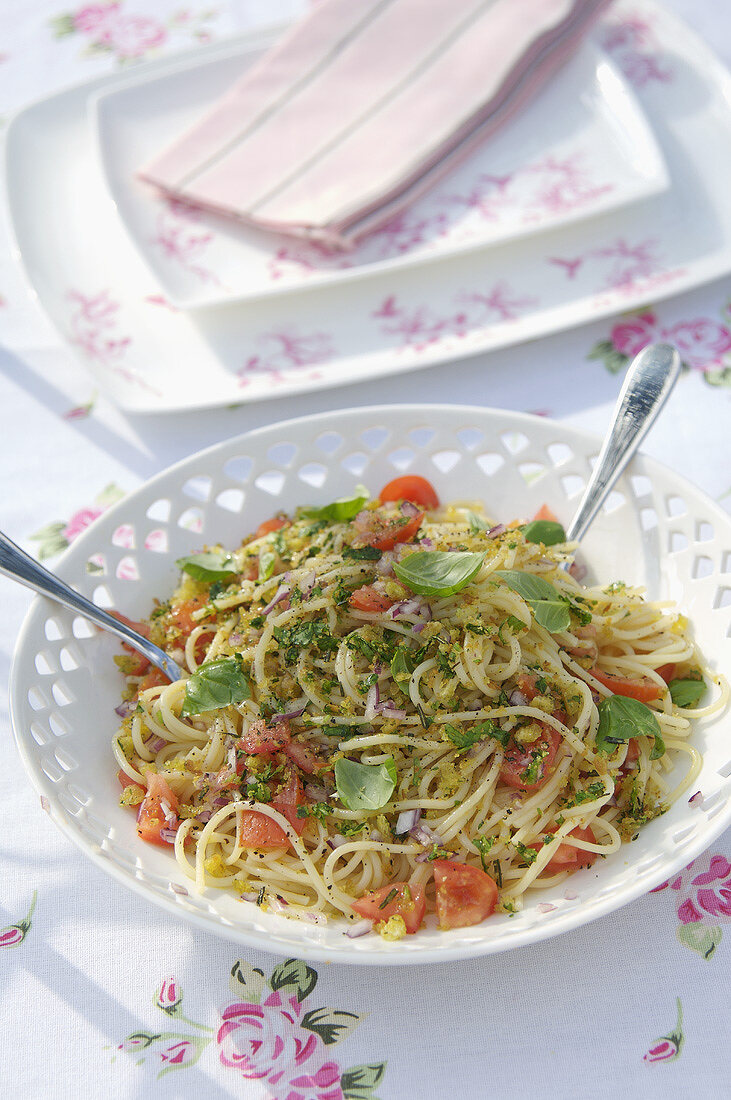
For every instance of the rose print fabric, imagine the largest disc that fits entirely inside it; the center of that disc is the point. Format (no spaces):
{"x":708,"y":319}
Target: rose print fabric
{"x":101,"y":993}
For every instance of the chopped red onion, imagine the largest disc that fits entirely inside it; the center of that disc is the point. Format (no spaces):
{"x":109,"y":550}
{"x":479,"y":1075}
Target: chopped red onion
{"x":45,"y":804}
{"x":417,"y":628}
{"x":427,"y":543}
{"x":281,"y":594}
{"x":308,"y":583}
{"x":570,"y":895}
{"x":177,"y":889}
{"x":220,"y":802}
{"x":156,"y":744}
{"x":317,"y":794}
{"x":407,"y":820}
{"x":425,"y":835}
{"x":498,"y":529}
{"x":168,"y":835}
{"x":696,"y":799}
{"x":360,"y":928}
{"x":250,"y":896}
{"x":517,"y":699}
{"x":277,"y":904}
{"x":385,"y":564}
{"x":204,"y":817}
{"x":313,"y":918}
{"x":578,"y":570}
{"x":389,"y":710}
{"x":409,"y":509}
{"x":545,"y":907}
{"x":289,"y":714}
{"x":235,"y":638}
{"x":125,"y":709}
{"x":376,"y":836}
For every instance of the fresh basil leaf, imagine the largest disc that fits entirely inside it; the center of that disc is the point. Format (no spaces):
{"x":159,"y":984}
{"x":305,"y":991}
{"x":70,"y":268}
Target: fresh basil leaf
{"x":212,"y":565}
{"x":402,"y":664}
{"x":363,"y":553}
{"x":439,"y":572}
{"x":552,"y":615}
{"x":684,"y":693}
{"x":340,"y":511}
{"x":266,"y":564}
{"x":658,"y":748}
{"x":621,"y":718}
{"x":477,"y":525}
{"x":214,"y":685}
{"x":364,"y":786}
{"x":544,"y":530}
{"x":549,"y":609}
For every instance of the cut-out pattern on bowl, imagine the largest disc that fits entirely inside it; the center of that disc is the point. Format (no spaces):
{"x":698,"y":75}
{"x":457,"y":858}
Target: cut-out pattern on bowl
{"x":65,"y":685}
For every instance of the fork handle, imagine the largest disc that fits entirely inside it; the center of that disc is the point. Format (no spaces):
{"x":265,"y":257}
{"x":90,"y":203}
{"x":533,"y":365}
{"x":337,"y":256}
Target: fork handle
{"x":647,"y":385}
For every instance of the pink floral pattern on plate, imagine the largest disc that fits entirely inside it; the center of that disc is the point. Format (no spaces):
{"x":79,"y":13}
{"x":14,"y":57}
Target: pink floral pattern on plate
{"x":703,"y":342}
{"x":109,"y":28}
{"x":268,"y":1034}
{"x":182,"y":240}
{"x":632,"y":43}
{"x":530,"y":195}
{"x":285,"y":352}
{"x":416,"y":328}
{"x":92,"y":328}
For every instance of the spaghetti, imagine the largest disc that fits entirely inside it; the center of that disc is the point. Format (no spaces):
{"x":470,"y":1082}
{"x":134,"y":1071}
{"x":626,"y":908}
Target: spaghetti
{"x":395,"y":707}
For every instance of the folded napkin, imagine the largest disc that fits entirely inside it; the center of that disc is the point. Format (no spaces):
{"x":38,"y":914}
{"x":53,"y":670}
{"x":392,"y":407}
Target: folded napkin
{"x":363,"y":106}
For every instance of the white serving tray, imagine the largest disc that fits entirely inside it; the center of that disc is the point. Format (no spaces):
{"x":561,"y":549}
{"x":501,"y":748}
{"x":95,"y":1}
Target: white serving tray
{"x":579,"y":149}
{"x":150,"y":357}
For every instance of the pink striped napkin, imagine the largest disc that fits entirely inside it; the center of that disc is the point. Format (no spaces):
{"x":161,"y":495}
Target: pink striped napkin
{"x":363,"y":106}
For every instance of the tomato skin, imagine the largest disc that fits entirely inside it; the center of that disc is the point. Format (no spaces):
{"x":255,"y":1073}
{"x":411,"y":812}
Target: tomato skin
{"x":544,"y":512}
{"x":370,"y":599}
{"x":151,"y":816}
{"x":125,"y":780}
{"x":518,"y":758}
{"x":641,"y":690}
{"x":667,"y":672}
{"x":411,"y":909}
{"x":288,"y":798}
{"x":182,"y":616}
{"x":384,"y":531}
{"x":142,"y":663}
{"x":527,"y":684}
{"x":466,"y":895}
{"x":154,"y":678}
{"x":566,"y":857}
{"x":257,"y":831}
{"x":411,"y":487}
{"x":263,"y":738}
{"x":269,"y":525}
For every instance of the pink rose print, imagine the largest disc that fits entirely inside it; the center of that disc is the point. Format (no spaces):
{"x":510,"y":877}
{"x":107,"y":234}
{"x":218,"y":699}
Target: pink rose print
{"x":127,"y":36}
{"x":14,"y":934}
{"x":283,"y":352}
{"x":169,"y":996}
{"x":268,"y":1035}
{"x":79,"y":522}
{"x":668,"y":1047}
{"x":713,"y":890}
{"x":702,"y":902}
{"x":267,"y":1042}
{"x":630,"y":337}
{"x":702,"y":343}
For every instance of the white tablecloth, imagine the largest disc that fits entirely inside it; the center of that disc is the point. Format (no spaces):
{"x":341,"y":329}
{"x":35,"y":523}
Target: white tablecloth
{"x":102,"y":994}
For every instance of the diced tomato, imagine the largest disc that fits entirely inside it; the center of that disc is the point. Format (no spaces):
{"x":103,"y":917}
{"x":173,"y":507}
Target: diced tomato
{"x":642,"y":690}
{"x":263,"y":738}
{"x":154,"y":678}
{"x":667,"y":672}
{"x":305,"y":759}
{"x":269,"y":525}
{"x":633,"y":751}
{"x":519,"y":758}
{"x":250,"y":572}
{"x":527,"y":683}
{"x":260,"y":832}
{"x":399,"y":899}
{"x":182,"y":616}
{"x":465,"y":894}
{"x":384,"y":531}
{"x":125,"y":780}
{"x":411,"y":487}
{"x":544,"y":512}
{"x":370,"y":599}
{"x":151,"y":817}
{"x":141,"y":663}
{"x":567,"y":857}
{"x":289,"y":796}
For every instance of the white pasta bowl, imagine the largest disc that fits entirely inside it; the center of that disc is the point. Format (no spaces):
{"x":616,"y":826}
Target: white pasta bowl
{"x":656,"y":530}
